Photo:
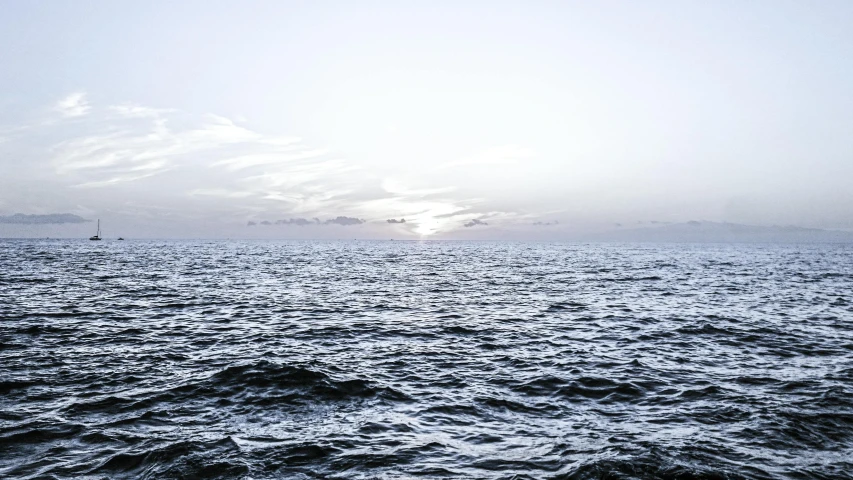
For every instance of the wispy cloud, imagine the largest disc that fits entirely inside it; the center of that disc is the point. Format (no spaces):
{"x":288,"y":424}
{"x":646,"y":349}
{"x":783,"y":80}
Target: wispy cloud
{"x":74,"y":105}
{"x":114,"y":180}
{"x":246,"y":161}
{"x":221,"y":192}
{"x":160,"y":160}
{"x":396,"y":187}
{"x":140,"y":142}
{"x":131,"y":110}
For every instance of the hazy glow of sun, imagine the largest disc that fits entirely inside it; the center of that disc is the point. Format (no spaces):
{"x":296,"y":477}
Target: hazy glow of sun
{"x":427,"y":226}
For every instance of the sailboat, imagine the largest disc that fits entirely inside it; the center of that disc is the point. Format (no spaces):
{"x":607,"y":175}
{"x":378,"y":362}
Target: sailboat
{"x":97,"y":236}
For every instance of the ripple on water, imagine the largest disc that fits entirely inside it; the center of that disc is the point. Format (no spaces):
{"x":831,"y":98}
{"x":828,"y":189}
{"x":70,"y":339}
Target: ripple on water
{"x":146,"y":359}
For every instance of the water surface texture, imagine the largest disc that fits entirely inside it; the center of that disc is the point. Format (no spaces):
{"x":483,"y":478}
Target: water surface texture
{"x":144,"y":359}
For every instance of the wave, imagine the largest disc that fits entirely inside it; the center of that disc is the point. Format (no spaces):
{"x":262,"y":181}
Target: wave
{"x":181,"y":459}
{"x":260,"y":383}
{"x":596,"y":388}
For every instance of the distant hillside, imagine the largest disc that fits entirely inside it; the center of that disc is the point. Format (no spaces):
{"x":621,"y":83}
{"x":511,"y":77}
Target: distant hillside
{"x":714,"y":232}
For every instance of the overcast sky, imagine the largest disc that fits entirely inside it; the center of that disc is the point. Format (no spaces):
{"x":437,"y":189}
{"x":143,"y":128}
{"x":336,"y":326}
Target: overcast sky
{"x":517,"y":119}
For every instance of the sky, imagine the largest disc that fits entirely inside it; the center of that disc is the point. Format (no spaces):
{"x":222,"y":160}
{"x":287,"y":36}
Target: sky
{"x":465,"y":119}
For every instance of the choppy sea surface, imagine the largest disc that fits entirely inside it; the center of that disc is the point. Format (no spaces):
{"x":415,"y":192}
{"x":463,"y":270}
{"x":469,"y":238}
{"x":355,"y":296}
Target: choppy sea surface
{"x":256,"y":360}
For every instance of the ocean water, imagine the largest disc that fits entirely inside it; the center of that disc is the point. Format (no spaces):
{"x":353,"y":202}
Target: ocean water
{"x":207,"y":359}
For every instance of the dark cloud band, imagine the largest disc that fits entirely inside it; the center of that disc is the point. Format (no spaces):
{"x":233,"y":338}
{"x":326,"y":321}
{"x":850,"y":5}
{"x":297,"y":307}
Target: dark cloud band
{"x":48,"y":219}
{"x":302,"y":222}
{"x":475,"y":222}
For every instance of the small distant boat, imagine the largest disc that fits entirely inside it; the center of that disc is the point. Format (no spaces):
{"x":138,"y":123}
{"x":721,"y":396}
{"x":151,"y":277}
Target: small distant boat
{"x":120,"y":238}
{"x":97,"y":236}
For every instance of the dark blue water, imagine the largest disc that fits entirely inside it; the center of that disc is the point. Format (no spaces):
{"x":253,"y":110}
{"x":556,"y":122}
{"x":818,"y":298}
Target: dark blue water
{"x":432,"y":360}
